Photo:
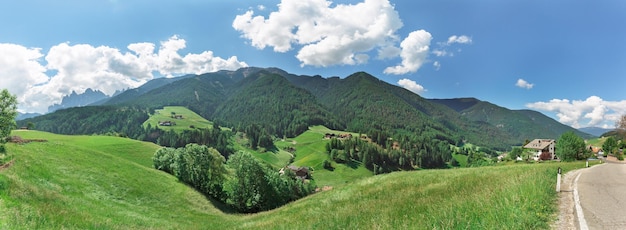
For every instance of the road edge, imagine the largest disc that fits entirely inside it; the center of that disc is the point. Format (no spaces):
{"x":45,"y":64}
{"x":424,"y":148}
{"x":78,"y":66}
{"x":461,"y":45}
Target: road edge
{"x":566,"y":218}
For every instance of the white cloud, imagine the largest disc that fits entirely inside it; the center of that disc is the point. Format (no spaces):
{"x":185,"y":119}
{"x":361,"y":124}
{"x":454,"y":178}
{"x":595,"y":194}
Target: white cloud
{"x":388,"y":52}
{"x":414,"y":53}
{"x":463,"y":39}
{"x":523,"y":84}
{"x":442,"y":53}
{"x":447,"y":49}
{"x":82,"y":66}
{"x":412,"y":86}
{"x":339,"y":35}
{"x":593,"y":111}
{"x":437,"y":65}
{"x":20,"y":68}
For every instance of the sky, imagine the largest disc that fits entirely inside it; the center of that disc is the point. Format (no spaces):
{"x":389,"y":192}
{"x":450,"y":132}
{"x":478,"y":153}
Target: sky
{"x":566,"y":59}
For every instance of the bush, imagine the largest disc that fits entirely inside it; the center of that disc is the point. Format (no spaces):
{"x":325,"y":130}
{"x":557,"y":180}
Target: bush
{"x":327,"y":165}
{"x":620,"y":157}
{"x":2,"y":149}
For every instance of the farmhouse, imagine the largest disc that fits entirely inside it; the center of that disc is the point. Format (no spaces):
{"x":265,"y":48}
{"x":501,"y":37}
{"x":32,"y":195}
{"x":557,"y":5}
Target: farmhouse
{"x":544,"y":148}
{"x":301,"y":172}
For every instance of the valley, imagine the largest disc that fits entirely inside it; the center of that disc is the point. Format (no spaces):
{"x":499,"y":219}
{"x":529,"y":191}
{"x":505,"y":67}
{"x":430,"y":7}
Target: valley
{"x":400,"y":159}
{"x":109,"y":182}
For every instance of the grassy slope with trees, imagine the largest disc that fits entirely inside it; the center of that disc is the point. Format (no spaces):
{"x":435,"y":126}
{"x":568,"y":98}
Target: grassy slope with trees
{"x":108,"y":182}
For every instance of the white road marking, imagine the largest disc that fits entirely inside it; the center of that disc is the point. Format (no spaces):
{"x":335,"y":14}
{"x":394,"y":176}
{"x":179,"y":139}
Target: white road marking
{"x":579,"y":210}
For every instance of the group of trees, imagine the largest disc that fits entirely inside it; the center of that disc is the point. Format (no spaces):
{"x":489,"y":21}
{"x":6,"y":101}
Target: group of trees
{"x":406,"y":154}
{"x":258,"y":137}
{"x":257,"y":187}
{"x":612,"y":145}
{"x":121,"y":121}
{"x":249,"y":186}
{"x":213,"y":137}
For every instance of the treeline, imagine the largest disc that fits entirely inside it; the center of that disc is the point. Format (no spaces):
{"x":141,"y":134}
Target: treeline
{"x":408,"y":154}
{"x":213,"y":137}
{"x":242,"y":182}
{"x":123,"y":121}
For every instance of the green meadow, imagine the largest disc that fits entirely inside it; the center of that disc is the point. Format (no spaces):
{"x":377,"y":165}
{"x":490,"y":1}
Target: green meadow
{"x":102,"y":182}
{"x":189,"y":118}
{"x":311,"y":151}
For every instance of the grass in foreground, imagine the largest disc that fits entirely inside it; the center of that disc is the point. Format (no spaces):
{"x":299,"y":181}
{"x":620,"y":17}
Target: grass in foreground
{"x":94,"y":182}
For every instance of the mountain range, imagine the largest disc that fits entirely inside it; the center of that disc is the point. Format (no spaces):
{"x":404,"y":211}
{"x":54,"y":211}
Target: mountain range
{"x":285,"y":104}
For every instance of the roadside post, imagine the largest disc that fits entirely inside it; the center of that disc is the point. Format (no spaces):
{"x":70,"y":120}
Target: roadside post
{"x":558,"y":180}
{"x":587,"y":164}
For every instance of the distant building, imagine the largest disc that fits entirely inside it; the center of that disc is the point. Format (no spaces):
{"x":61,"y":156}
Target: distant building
{"x":544,"y":148}
{"x":300,"y":172}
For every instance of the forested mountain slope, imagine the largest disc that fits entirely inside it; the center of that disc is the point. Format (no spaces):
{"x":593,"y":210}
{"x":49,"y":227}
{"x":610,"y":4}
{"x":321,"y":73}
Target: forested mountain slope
{"x":520,"y":124}
{"x":283,"y":104}
{"x":269,"y":100}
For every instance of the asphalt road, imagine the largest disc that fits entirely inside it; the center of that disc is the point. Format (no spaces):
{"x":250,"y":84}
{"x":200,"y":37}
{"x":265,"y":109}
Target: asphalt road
{"x":602,"y":195}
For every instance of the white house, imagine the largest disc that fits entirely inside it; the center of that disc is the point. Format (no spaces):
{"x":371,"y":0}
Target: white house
{"x":544,"y":147}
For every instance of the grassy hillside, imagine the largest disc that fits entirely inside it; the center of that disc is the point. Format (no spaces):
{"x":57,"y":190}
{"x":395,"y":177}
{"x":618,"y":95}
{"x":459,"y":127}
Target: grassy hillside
{"x":98,"y":182}
{"x":89,"y":182}
{"x":310,"y":151}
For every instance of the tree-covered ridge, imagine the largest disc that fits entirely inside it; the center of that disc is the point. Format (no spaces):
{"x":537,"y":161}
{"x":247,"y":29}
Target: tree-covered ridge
{"x":92,"y":120}
{"x":202,"y":94}
{"x":271,"y":102}
{"x":521,"y":125}
{"x":365,"y":104}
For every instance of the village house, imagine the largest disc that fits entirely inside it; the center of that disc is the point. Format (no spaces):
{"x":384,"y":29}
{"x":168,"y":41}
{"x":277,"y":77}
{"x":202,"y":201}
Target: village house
{"x":301,"y":172}
{"x":544,"y":148}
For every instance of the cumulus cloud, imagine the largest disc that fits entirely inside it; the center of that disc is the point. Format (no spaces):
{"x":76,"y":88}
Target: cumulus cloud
{"x":523,"y":84}
{"x":81,"y":66}
{"x":593,"y":111}
{"x":414,"y":53}
{"x":339,"y":35}
{"x":412,"y":86}
{"x":20,"y":68}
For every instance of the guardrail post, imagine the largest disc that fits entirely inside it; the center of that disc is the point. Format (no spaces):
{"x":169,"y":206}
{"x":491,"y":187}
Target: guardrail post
{"x":558,"y":180}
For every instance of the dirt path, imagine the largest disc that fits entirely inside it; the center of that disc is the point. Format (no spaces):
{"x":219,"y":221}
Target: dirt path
{"x":7,"y":165}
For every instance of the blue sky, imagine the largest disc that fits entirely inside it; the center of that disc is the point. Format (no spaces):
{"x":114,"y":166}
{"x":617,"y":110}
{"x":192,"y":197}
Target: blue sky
{"x":566,"y":59}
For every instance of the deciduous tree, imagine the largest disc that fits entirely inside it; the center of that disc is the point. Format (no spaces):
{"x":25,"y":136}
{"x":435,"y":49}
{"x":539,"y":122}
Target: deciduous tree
{"x":621,"y":123}
{"x":609,"y":146}
{"x":570,"y":147}
{"x":8,"y":112}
